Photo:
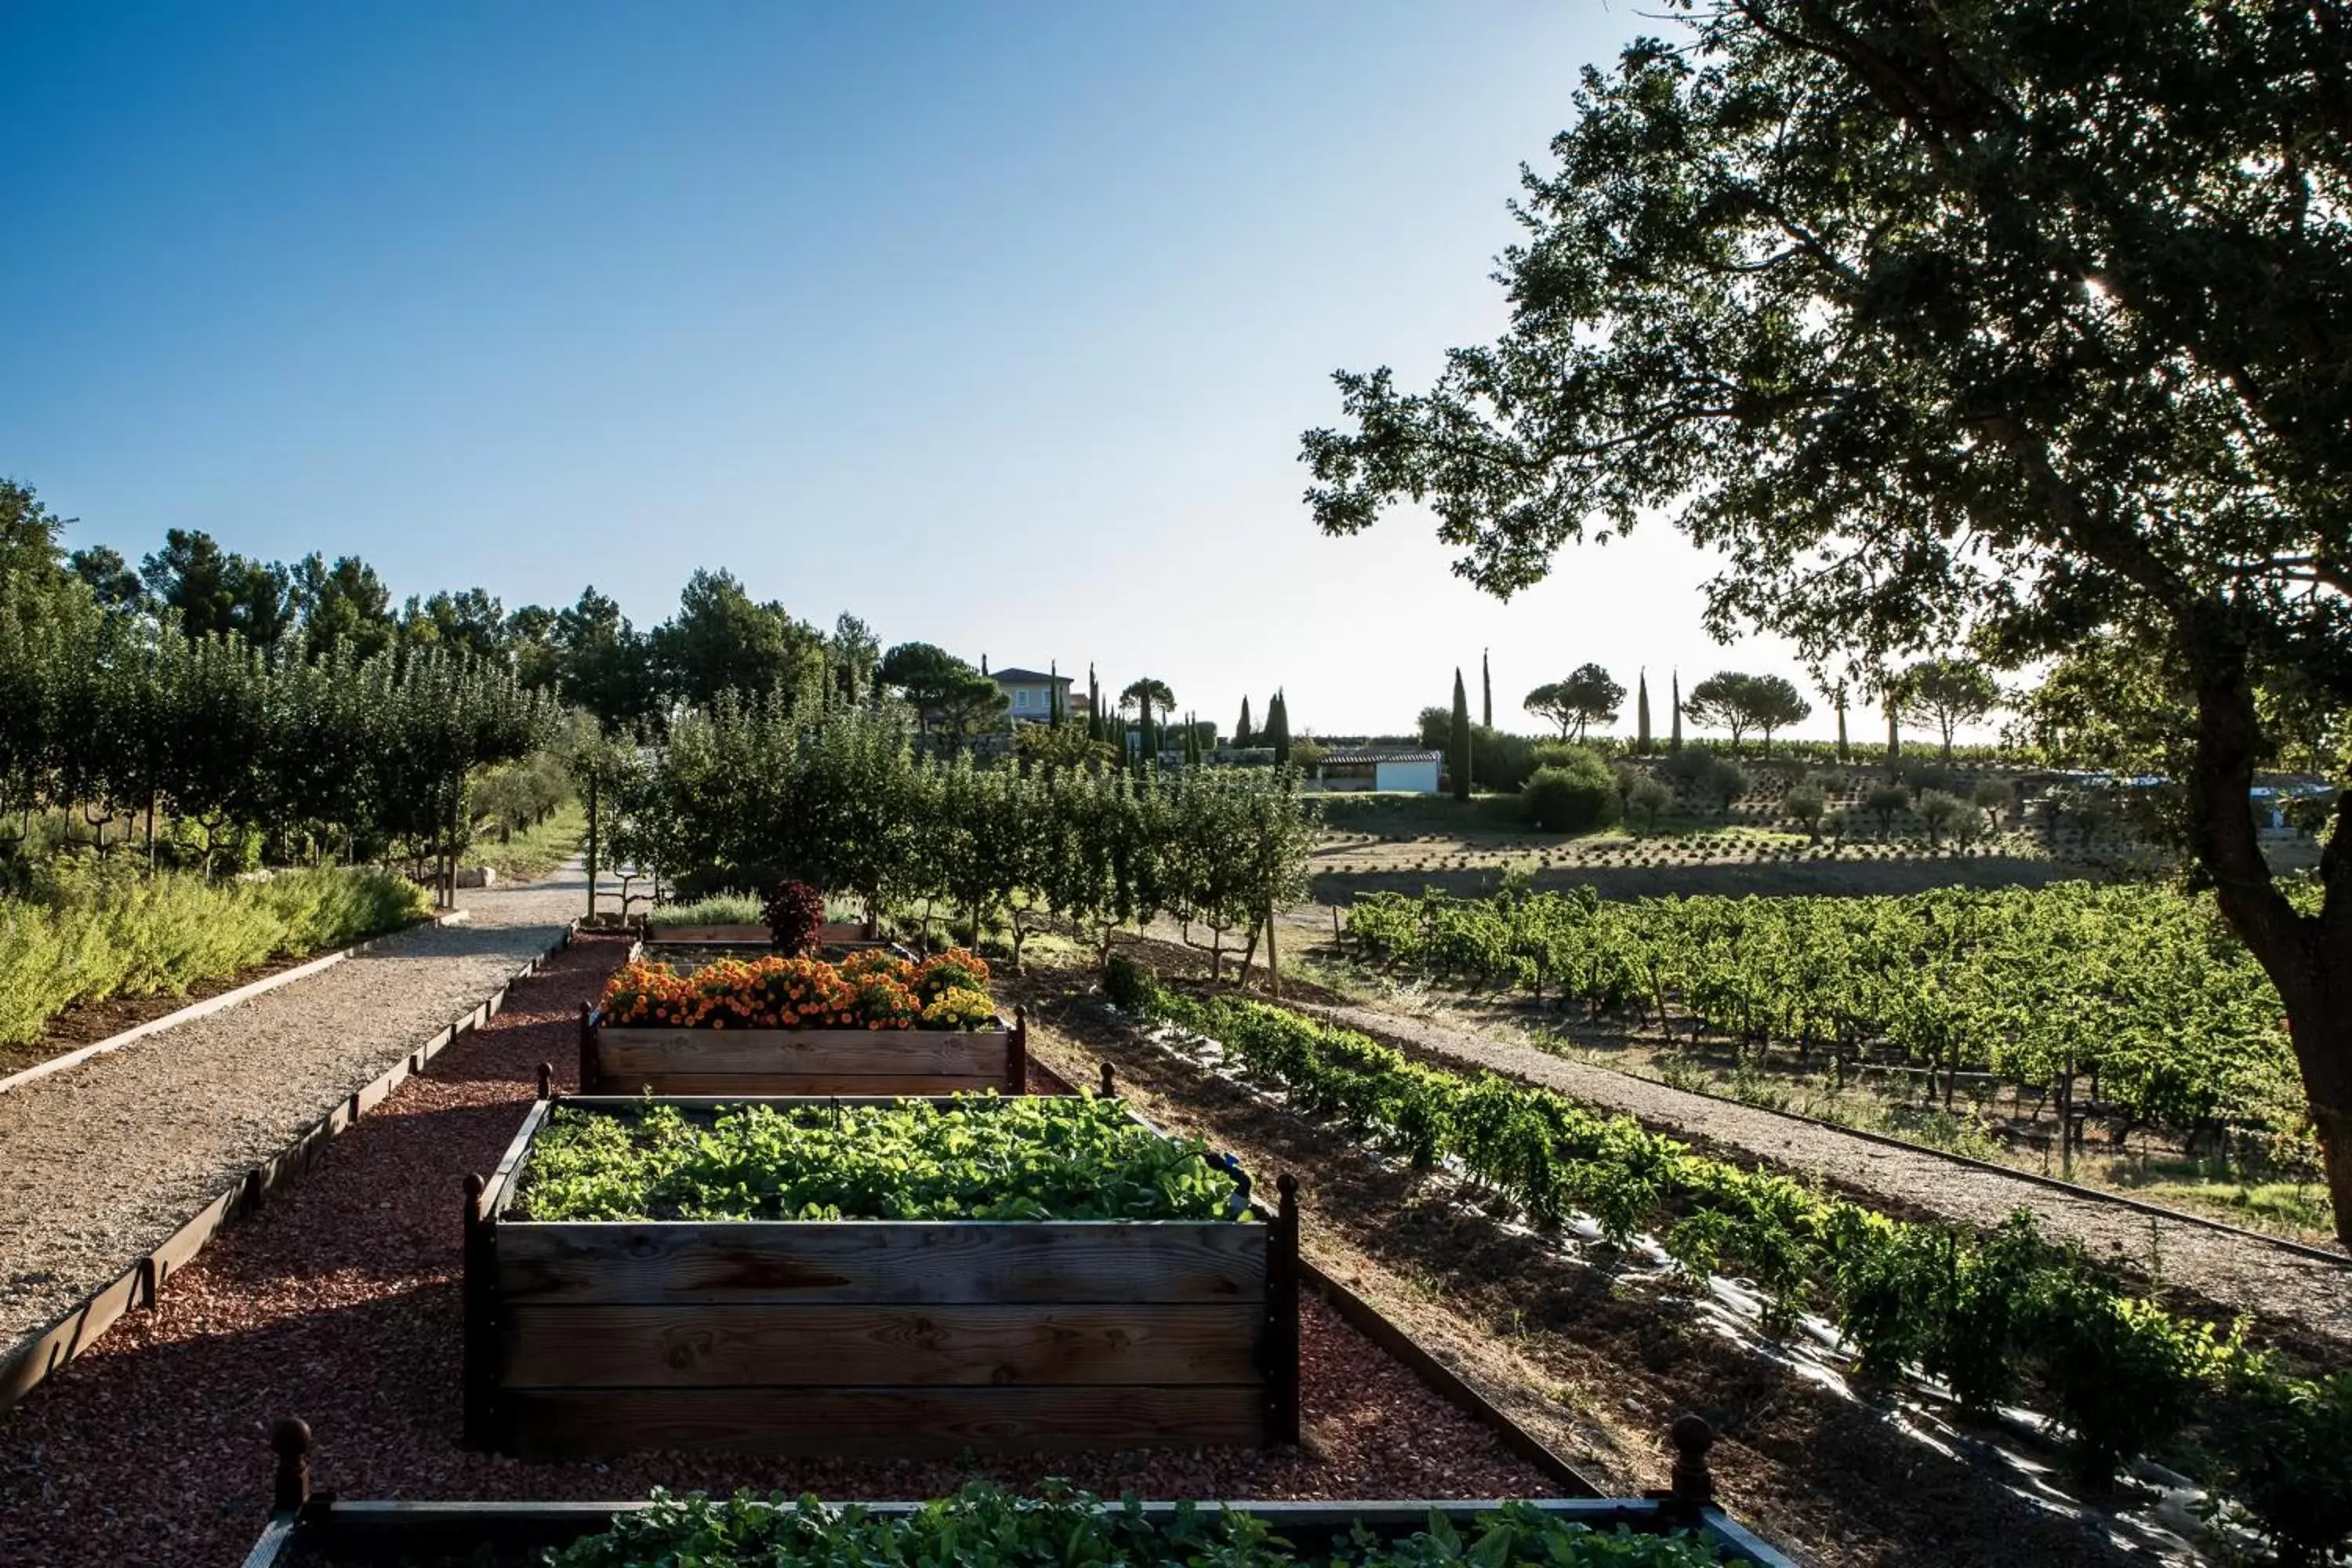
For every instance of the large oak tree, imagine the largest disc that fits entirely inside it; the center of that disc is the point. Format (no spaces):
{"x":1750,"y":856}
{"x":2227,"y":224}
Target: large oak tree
{"x":2000,"y":325}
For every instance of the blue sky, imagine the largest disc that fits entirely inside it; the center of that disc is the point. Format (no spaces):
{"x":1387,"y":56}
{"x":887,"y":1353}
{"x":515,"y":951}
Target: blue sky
{"x":996,"y":323}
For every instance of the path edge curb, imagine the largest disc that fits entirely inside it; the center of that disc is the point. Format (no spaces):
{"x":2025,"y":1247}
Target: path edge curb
{"x":41,"y":1357}
{"x":226,"y":999}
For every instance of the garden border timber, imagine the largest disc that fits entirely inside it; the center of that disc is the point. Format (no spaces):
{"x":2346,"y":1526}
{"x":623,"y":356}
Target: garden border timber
{"x":211,"y":1004}
{"x":673,"y":1061}
{"x":832,"y":933}
{"x":585,"y":1338}
{"x":2072,"y":1189}
{"x":300,"y":1524}
{"x":40,"y":1357}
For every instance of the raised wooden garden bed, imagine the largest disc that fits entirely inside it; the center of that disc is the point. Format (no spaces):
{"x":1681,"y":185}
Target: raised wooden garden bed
{"x":325,"y":1532}
{"x":871,"y":1337}
{"x":656,"y":1060}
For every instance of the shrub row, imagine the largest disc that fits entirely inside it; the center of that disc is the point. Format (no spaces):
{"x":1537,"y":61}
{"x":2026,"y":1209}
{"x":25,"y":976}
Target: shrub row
{"x":92,"y":932}
{"x":1993,"y":1316}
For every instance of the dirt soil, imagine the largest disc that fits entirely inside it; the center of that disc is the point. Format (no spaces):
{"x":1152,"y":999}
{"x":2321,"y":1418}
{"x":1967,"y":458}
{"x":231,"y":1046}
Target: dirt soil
{"x":1593,"y":1367}
{"x":339,"y":1302}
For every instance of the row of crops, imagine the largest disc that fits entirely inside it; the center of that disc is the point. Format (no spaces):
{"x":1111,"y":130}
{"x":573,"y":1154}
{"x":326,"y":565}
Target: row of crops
{"x":1996,"y":1318}
{"x":2143,"y":988}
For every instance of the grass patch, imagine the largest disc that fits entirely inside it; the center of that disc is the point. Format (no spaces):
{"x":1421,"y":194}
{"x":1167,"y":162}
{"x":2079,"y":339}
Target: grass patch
{"x":535,"y":851}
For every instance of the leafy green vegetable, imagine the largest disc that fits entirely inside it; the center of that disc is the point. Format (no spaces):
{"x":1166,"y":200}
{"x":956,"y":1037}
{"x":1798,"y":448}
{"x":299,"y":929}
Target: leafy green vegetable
{"x":1031,"y":1157}
{"x":983,"y":1526}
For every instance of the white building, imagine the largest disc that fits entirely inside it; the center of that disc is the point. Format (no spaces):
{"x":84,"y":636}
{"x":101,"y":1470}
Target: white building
{"x":1028,"y":695}
{"x":1377,"y":768}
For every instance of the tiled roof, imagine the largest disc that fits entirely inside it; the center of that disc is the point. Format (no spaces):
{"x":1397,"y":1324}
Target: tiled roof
{"x":1027,"y":676}
{"x":1378,"y":754}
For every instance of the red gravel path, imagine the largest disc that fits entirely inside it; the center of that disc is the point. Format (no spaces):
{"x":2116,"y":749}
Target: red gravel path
{"x":339,"y":1303}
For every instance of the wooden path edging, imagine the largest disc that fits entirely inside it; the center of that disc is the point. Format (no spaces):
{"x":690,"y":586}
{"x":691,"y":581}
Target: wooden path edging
{"x":39,"y":1358}
{"x":212,"y":1005}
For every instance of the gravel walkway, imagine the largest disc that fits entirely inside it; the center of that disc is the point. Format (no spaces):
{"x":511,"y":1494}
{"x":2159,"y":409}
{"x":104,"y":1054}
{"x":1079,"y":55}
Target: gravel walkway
{"x":338,"y":1301}
{"x":109,"y":1158}
{"x":2300,"y":1296}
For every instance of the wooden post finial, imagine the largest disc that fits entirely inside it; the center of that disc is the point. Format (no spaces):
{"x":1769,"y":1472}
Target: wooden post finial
{"x":1690,"y":1486}
{"x":1281,"y":1342}
{"x":1110,"y":1082}
{"x":546,"y":1079}
{"x":290,"y":1486}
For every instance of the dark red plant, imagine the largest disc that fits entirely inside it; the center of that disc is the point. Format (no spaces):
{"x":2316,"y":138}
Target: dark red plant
{"x":796,"y":915}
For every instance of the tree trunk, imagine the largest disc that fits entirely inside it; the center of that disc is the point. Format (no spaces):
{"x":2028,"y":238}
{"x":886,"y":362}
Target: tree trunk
{"x":1272,"y":964}
{"x":2308,"y":958}
{"x":591,"y":843}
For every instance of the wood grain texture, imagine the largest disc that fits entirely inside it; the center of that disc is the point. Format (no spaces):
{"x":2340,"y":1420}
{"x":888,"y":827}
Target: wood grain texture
{"x":553,"y":1423}
{"x":625,"y":1053}
{"x":892,"y":1263}
{"x":707,"y":1345}
{"x":730,"y":1088}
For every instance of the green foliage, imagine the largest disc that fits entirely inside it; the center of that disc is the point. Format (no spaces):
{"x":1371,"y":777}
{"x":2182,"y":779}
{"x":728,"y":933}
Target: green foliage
{"x":93,"y":930}
{"x":1805,"y":806}
{"x":1589,"y":696}
{"x":1460,"y":775}
{"x":2141,"y":984}
{"x":718,"y":910}
{"x":983,"y":1526}
{"x":1130,"y":987}
{"x":1740,"y":702}
{"x":1992,"y":1314}
{"x":1648,"y":796}
{"x":1940,"y":812}
{"x":1917,"y":318}
{"x":1028,"y":1157}
{"x":1577,"y":795}
{"x":2281,"y":1450}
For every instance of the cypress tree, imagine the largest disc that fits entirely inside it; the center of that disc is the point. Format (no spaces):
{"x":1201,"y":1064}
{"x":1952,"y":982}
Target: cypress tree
{"x":1277,"y":727}
{"x":1053,"y":694}
{"x":1842,"y":754}
{"x":1486,"y":681}
{"x":1893,"y":738}
{"x":1674,"y":741}
{"x":1242,"y":734}
{"x":1461,"y":738}
{"x":1641,"y":714}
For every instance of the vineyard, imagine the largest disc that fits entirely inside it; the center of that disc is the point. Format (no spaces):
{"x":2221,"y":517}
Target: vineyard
{"x":1995,"y":1318}
{"x":2137,"y":997}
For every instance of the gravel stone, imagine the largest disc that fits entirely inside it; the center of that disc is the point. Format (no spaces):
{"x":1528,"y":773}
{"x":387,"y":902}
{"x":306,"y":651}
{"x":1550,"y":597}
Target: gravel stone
{"x":107,"y":1159}
{"x":338,"y":1301}
{"x":2306,"y":1296}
